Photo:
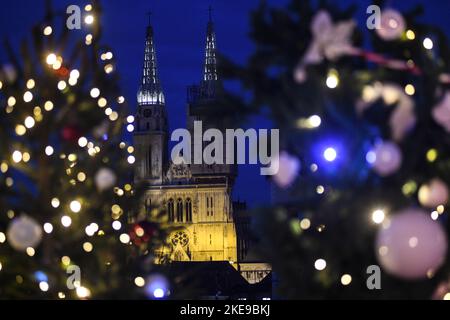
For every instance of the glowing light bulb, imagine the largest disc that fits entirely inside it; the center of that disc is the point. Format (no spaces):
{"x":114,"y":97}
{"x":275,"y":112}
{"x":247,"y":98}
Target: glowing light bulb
{"x":95,"y":92}
{"x":75,"y":206}
{"x":48,"y":31}
{"x":332,"y":79}
{"x":89,"y":19}
{"x":378,"y":216}
{"x":330,"y":154}
{"x":428,"y":43}
{"x":17,"y":156}
{"x":51,"y":59}
{"x":116,"y":225}
{"x":48,"y":227}
{"x":29,"y":122}
{"x":320,"y":264}
{"x":66,"y":221}
{"x":346,"y":279}
{"x":49,"y":150}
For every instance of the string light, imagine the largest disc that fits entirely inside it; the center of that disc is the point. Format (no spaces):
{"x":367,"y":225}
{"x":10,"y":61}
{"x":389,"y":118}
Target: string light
{"x":43,"y":286}
{"x":410,"y":35}
{"x":30,"y":84}
{"x":82,"y":142}
{"x":66,"y":221}
{"x":17,"y":156}
{"x":428,"y":43}
{"x":440,"y":209}
{"x":305,"y":224}
{"x":102,"y":102}
{"x":432,"y":155}
{"x":26,"y":157}
{"x":88,"y":7}
{"x":65,"y":260}
{"x":378,"y":216}
{"x":139,"y":281}
{"x":130,"y":128}
{"x":51,"y":59}
{"x":83,"y":292}
{"x":29,"y":122}
{"x":75,"y":206}
{"x":320,"y":264}
{"x":346,"y":279}
{"x":409,"y":89}
{"x":11,"y":101}
{"x":62,"y":85}
{"x":434,"y":215}
{"x":87,"y":246}
{"x":114,"y":116}
{"x":2,"y":237}
{"x":20,"y":130}
{"x":131,"y":159}
{"x":81,"y":176}
{"x":109,"y":68}
{"x":88,"y":39}
{"x":89,"y":19}
{"x":332,"y":79}
{"x":48,"y":31}
{"x":130,"y":119}
{"x":116,"y":225}
{"x":330,"y":154}
{"x":124,"y":238}
{"x":4,"y":167}
{"x":49,"y":150}
{"x":120,"y":100}
{"x":27,"y":96}
{"x":48,"y":227}
{"x":320,"y":189}
{"x":48,"y":106}
{"x":95,"y":92}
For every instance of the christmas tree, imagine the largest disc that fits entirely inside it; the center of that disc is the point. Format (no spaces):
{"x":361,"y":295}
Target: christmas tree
{"x":71,"y":221}
{"x":363,"y":112}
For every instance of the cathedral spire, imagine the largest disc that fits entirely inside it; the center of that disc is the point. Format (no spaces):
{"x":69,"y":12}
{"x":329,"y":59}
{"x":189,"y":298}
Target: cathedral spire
{"x":210,"y":70}
{"x":150,"y":91}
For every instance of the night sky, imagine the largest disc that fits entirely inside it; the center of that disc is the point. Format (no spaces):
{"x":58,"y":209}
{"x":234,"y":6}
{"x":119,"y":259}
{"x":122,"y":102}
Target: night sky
{"x":180,"y":28}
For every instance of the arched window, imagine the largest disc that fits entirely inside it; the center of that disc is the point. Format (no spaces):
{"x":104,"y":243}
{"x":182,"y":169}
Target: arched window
{"x":170,"y":210}
{"x":188,"y":210}
{"x":179,"y":210}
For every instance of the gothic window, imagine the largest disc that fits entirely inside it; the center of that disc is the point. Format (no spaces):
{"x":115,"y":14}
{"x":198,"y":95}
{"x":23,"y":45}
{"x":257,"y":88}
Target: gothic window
{"x":188,"y":210}
{"x":211,"y":203}
{"x":179,"y":210}
{"x":170,"y":210}
{"x":207,"y":206}
{"x":149,"y":161}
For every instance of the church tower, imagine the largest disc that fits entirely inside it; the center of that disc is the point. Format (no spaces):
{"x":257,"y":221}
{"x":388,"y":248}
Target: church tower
{"x":150,"y":135}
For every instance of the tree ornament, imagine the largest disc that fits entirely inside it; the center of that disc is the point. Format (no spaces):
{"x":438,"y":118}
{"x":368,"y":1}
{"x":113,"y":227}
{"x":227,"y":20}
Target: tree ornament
{"x":433,"y":194}
{"x":70,"y":133}
{"x":441,"y":112}
{"x":24,"y":232}
{"x":105,"y":179}
{"x":288,"y":169}
{"x":388,"y":158}
{"x":411,"y":245}
{"x":392,"y":25}
{"x":142,"y":232}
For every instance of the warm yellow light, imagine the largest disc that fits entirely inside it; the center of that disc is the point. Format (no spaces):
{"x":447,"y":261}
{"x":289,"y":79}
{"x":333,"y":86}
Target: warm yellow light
{"x":11,"y":101}
{"x":440,"y":209}
{"x":9,"y":182}
{"x":48,"y":31}
{"x":432,"y":155}
{"x":410,"y":35}
{"x":48,"y":106}
{"x":109,"y":68}
{"x":2,"y":237}
{"x":65,"y":260}
{"x":305,"y":224}
{"x":4,"y":167}
{"x":1,"y":85}
{"x":378,"y":216}
{"x":72,"y":81}
{"x":87,"y":246}
{"x":124,"y":238}
{"x":102,"y":102}
{"x":81,"y":176}
{"x":66,"y":221}
{"x":447,"y":296}
{"x":26,"y":157}
{"x":139,"y":281}
{"x":17,"y":156}
{"x":108,"y":55}
{"x":30,"y":251}
{"x":83,"y":292}
{"x":409,"y":89}
{"x":320,"y":264}
{"x":114,"y":116}
{"x":62,"y":85}
{"x":108,"y":111}
{"x":61,"y":295}
{"x":75,"y":206}
{"x":20,"y":130}
{"x":29,"y":122}
{"x":130,"y":149}
{"x":72,"y":157}
{"x":320,"y":189}
{"x":88,"y":39}
{"x":89,"y":19}
{"x":88,"y":7}
{"x":51,"y":59}
{"x":37,"y":111}
{"x":30,"y":84}
{"x":332,"y":79}
{"x":139,"y":232}
{"x":346,"y":279}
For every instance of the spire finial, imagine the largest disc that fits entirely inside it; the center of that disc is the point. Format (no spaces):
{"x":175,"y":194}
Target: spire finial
{"x":149,"y":14}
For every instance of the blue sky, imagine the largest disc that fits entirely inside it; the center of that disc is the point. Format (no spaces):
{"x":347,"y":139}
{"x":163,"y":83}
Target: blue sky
{"x":180,"y":28}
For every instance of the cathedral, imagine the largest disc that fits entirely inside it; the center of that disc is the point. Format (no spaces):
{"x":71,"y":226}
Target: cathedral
{"x":197,"y":198}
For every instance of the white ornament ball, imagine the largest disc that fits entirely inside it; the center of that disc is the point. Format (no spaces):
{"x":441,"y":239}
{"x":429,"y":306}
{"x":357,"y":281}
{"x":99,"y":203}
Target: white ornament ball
{"x":24,"y":232}
{"x":105,"y":178}
{"x":388,"y":158}
{"x":392,"y":25}
{"x":411,"y":244}
{"x":433,"y":194}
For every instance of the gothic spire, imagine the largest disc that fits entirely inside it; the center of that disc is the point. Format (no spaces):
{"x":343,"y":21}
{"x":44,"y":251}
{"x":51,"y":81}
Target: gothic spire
{"x":210,"y":70}
{"x":150,"y":91}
